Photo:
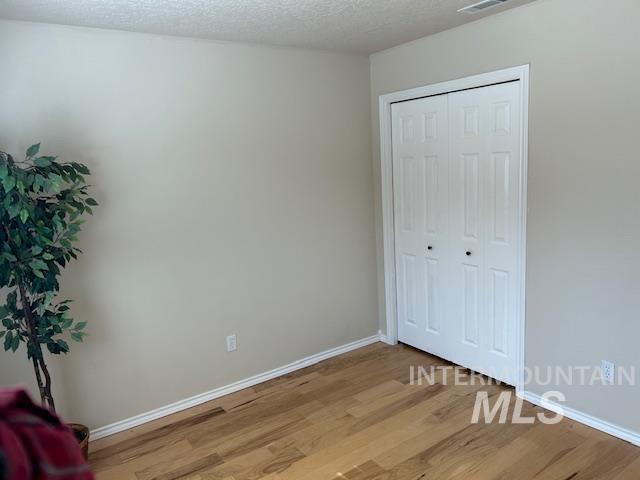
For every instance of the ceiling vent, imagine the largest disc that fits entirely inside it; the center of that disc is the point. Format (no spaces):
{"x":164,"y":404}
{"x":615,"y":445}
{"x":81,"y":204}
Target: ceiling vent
{"x":481,"y":6}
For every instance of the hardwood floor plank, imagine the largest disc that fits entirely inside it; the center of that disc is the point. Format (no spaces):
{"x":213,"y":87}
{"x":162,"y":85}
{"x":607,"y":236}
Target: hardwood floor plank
{"x":601,"y":458}
{"x":117,"y":469}
{"x":366,"y":471}
{"x":149,"y":442}
{"x":238,"y":465}
{"x":282,"y":460}
{"x":630,"y":472}
{"x":182,"y":471}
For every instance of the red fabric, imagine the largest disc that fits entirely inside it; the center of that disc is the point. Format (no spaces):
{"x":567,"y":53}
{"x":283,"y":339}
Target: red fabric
{"x":35,"y":444}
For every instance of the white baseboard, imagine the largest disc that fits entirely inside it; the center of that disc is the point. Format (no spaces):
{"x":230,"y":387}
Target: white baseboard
{"x":586,"y":419}
{"x":384,"y":338}
{"x":589,"y":420}
{"x":180,"y":405}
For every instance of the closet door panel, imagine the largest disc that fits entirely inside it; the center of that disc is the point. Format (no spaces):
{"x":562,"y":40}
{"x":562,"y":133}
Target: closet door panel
{"x":420,"y":164}
{"x":467,"y":235}
{"x":484,"y":196}
{"x":502,"y":227}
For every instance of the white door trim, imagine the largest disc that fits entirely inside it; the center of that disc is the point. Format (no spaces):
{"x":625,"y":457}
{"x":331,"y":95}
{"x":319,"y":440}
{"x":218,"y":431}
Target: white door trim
{"x":520,"y":73}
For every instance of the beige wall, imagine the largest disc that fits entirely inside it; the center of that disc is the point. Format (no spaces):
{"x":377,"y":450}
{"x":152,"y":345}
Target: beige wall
{"x":583,"y":227}
{"x":235,"y":184}
{"x":236,"y":188}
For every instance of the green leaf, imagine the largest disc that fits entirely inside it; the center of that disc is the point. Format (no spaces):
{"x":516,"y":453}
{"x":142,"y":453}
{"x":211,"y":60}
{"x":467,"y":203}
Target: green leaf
{"x":64,"y":346}
{"x":43,"y":161}
{"x":3,"y":333}
{"x":36,"y":250}
{"x":8,"y":183}
{"x":15,"y":343}
{"x":38,"y":264}
{"x":4,"y":171}
{"x":82,"y":168}
{"x":13,"y":210}
{"x":78,"y":336}
{"x":38,"y":273}
{"x":80,"y":326}
{"x":12,"y":299}
{"x":33,"y":150}
{"x":48,"y":298}
{"x":8,"y":323}
{"x":8,"y":340}
{"x":40,"y":309}
{"x":92,"y":202}
{"x":24,"y":215}
{"x":47,"y":256}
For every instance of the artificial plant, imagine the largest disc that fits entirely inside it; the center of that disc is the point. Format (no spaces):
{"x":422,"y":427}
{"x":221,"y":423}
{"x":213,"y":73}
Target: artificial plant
{"x":41,"y":205}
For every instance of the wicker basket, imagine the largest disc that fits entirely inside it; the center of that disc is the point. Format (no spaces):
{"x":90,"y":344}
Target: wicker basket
{"x":82,"y":435}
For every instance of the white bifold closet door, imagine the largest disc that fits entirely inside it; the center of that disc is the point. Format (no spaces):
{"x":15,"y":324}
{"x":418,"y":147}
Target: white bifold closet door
{"x":456,"y":174}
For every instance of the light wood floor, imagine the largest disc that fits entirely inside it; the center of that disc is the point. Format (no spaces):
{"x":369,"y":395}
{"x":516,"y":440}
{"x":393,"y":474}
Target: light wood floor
{"x":355,"y":417}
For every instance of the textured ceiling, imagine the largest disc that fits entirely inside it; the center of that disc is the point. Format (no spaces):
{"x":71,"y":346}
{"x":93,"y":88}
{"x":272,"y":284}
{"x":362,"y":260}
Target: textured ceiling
{"x":358,"y":26}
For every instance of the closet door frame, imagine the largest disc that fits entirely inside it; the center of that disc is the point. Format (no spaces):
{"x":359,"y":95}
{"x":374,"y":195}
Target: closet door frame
{"x":519,"y":73}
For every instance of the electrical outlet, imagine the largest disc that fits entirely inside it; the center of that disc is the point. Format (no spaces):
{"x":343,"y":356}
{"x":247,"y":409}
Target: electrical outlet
{"x":232,"y":343}
{"x":608,"y":371}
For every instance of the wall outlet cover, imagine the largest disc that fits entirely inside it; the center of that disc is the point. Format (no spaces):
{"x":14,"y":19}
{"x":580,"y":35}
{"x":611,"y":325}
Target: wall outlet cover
{"x":232,"y":343}
{"x":608,"y":371}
